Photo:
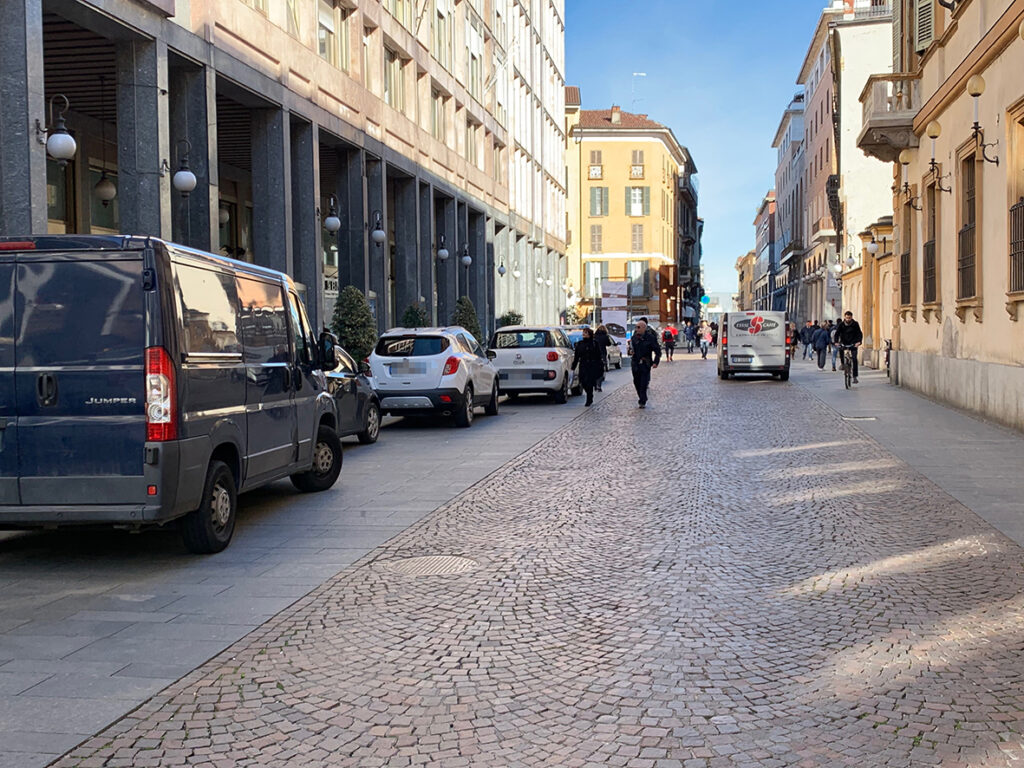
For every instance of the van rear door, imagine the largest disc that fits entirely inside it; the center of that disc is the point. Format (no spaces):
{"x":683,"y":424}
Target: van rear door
{"x":79,"y":377}
{"x":8,"y":422}
{"x":757,"y":340}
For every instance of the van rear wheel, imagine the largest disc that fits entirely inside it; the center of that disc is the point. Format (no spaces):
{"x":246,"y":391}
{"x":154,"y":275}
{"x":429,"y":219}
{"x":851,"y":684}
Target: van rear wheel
{"x":208,"y":529}
{"x":326,"y":463}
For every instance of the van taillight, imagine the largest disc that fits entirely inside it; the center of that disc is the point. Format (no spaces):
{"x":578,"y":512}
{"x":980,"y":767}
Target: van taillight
{"x":18,"y":245}
{"x":161,"y":405}
{"x":451,"y":365}
{"x":552,"y":356}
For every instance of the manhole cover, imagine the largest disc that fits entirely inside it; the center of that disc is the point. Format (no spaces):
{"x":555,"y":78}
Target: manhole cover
{"x":430,"y":565}
{"x":860,"y":418}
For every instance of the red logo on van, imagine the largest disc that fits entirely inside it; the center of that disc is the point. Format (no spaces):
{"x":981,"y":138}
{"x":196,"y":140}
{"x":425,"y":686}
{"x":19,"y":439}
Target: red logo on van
{"x":755,"y":325}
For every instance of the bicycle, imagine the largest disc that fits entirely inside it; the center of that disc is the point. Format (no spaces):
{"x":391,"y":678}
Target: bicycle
{"x":847,"y":353}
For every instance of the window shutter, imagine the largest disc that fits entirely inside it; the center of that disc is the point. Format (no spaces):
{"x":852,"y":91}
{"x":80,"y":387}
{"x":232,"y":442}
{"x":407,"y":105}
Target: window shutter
{"x":897,"y":36}
{"x":594,"y":210}
{"x":647,"y":201}
{"x":925,"y":29}
{"x":604,"y":201}
{"x":629,"y":200}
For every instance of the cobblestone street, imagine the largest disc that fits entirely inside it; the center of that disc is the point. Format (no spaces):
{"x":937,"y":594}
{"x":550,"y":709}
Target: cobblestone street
{"x":733,"y":577}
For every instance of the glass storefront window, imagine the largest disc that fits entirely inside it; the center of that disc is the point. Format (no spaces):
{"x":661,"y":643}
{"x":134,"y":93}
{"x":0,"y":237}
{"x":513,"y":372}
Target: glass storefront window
{"x":57,"y":195}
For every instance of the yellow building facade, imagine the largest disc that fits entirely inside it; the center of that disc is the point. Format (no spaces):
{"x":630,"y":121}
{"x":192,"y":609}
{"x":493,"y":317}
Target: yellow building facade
{"x":623,"y":184}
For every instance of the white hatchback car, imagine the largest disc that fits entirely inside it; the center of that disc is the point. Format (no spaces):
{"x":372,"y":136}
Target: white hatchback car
{"x":534,"y":359}
{"x":434,"y":370}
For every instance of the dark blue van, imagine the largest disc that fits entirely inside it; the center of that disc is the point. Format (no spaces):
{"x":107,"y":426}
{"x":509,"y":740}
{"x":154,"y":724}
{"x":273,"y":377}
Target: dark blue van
{"x":143,"y":382}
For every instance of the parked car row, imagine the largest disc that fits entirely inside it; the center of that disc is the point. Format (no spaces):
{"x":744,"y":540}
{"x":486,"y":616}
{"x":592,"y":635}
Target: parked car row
{"x":202,"y":378}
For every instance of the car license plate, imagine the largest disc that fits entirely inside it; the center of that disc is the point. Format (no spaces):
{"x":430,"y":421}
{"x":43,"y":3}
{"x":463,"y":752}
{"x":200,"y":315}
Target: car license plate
{"x":518,"y":362}
{"x":742,"y":359}
{"x":403,"y":368}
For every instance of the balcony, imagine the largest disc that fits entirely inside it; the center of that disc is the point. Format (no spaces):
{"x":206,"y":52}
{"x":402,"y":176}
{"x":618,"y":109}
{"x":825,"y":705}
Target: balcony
{"x":890,"y":103}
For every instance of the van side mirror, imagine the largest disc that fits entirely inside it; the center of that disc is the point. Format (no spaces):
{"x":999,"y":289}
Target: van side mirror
{"x":328,"y":354}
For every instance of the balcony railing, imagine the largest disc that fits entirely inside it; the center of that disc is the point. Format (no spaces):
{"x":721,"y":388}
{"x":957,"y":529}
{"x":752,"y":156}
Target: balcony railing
{"x":889,"y":103}
{"x":965,"y":261}
{"x":930,"y":285}
{"x":873,"y":11}
{"x":1017,"y":247}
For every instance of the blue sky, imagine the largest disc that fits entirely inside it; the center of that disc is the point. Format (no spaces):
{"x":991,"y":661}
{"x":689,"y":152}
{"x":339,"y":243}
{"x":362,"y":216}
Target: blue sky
{"x":719,"y":74}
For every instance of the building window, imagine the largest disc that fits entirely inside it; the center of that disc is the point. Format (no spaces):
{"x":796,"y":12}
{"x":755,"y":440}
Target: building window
{"x":637,"y":238}
{"x":966,"y":261}
{"x":930,"y":269}
{"x":595,"y":157}
{"x":906,"y":256}
{"x":259,"y":5}
{"x":471,"y":133}
{"x":638,"y":201}
{"x":596,"y":240}
{"x":327,"y":33}
{"x":475,"y":58}
{"x":1016,"y":223}
{"x":402,"y":11}
{"x":442,"y":37}
{"x":292,"y":12}
{"x":636,"y":274}
{"x":497,"y":173}
{"x":599,"y":201}
{"x":593,"y":273}
{"x":367,"y":77}
{"x":394,"y":80}
{"x":437,"y":115}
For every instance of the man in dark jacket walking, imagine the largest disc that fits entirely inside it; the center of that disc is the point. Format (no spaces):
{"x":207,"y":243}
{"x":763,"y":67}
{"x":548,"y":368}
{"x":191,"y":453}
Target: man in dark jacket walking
{"x":646,"y":356}
{"x":849,"y":334}
{"x":820,"y":341}
{"x":806,"y":334}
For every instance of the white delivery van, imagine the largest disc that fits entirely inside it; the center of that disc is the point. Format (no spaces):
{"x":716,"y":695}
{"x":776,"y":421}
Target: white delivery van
{"x":753,"y":342}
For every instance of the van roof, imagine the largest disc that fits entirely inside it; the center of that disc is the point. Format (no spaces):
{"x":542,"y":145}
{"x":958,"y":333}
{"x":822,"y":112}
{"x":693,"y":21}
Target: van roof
{"x":44,"y":243}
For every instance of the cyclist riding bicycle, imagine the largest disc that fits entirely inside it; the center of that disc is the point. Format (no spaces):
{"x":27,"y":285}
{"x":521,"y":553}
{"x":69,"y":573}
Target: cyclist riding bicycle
{"x":849,"y":334}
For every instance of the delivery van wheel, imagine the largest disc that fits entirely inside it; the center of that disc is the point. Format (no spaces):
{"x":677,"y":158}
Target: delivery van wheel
{"x":326,"y":463}
{"x":208,"y":529}
{"x":723,"y":375}
{"x":784,"y":376}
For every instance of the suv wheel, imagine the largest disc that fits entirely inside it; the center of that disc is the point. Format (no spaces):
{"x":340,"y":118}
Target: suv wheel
{"x":464,"y":417}
{"x":209,"y":528}
{"x":372,"y":427}
{"x":562,"y":395}
{"x":492,"y":405}
{"x":326,"y":463}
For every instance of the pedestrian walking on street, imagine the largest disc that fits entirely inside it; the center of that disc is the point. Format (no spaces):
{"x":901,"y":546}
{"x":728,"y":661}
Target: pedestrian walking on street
{"x":849,"y":334}
{"x":794,"y":339}
{"x":714,"y":334}
{"x":690,"y":334}
{"x":604,"y":340}
{"x":704,"y":336}
{"x":832,"y":343}
{"x":668,"y":340}
{"x":821,"y":341}
{"x":646,"y":356}
{"x":588,"y":357}
{"x":806,"y":333}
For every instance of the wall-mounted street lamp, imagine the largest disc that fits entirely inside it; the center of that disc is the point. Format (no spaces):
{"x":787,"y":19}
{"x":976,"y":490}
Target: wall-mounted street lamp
{"x":183,"y":180}
{"x":223,"y":215}
{"x":548,"y":282}
{"x":442,"y":252}
{"x":905,"y":157}
{"x":466,"y":258}
{"x":60,"y":145}
{"x":934,"y":130}
{"x":501,"y":269}
{"x":378,"y":235}
{"x":540,"y":280}
{"x":105,"y":191}
{"x":516,"y":273}
{"x":975,"y":88}
{"x":332,"y":223}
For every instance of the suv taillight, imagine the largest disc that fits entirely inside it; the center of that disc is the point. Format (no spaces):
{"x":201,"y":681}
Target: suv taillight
{"x":552,"y":356}
{"x":451,"y":365}
{"x":161,"y":405}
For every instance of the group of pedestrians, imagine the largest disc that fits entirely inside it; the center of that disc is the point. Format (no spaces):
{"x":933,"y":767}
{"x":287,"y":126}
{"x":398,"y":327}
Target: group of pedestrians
{"x":590,"y":356}
{"x":819,"y":339}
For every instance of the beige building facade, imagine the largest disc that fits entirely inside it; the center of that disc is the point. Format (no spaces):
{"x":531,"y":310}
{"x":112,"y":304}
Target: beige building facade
{"x":426,"y":128}
{"x":624,"y":173}
{"x":952,"y":108}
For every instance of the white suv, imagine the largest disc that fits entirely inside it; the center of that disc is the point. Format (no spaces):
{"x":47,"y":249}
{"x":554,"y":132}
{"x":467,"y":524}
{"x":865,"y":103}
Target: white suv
{"x":434,"y":370}
{"x":534,"y":359}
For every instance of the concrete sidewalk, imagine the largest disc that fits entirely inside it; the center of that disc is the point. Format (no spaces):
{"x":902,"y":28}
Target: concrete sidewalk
{"x":979,"y":464}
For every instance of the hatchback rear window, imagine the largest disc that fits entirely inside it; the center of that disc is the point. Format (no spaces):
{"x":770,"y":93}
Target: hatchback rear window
{"x":411,"y":346}
{"x":521,"y":339}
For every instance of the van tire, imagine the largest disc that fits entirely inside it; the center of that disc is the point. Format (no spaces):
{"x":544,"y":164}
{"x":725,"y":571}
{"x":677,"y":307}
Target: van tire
{"x":491,"y":409}
{"x":618,"y":365}
{"x":784,"y":376}
{"x":464,"y":416}
{"x":723,"y":375}
{"x":208,"y":529}
{"x":326,"y":465}
{"x":371,"y":429}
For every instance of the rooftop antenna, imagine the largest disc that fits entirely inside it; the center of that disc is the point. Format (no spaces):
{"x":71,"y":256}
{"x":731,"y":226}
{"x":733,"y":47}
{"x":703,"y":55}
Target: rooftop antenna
{"x":633,"y":98}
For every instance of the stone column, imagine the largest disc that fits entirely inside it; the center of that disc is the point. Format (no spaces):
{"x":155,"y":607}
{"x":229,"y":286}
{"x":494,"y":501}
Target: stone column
{"x":191,"y":102}
{"x":478,"y":270}
{"x":377,"y":269}
{"x":271,"y":189}
{"x":307,"y":247}
{"x":445,"y":215}
{"x":461,"y":240}
{"x":351,"y":206}
{"x":22,"y":157}
{"x":143,"y":141}
{"x":407,"y":231}
{"x":427,"y":253}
